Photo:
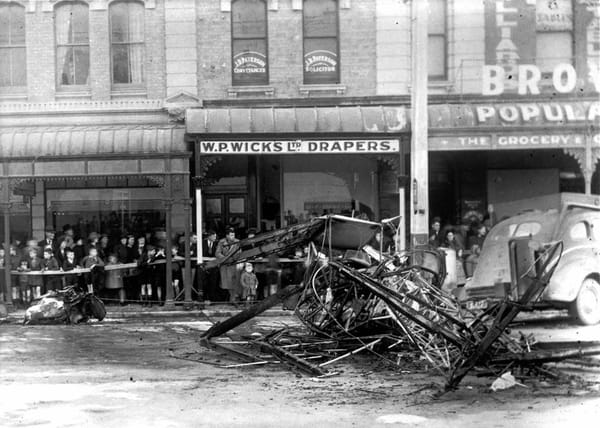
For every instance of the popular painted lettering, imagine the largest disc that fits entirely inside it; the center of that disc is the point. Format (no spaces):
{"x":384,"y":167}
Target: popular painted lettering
{"x":551,"y":113}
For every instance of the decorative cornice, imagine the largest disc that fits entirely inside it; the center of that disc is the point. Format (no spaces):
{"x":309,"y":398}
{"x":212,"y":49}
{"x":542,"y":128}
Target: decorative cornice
{"x":80,"y":106}
{"x":83,"y":128}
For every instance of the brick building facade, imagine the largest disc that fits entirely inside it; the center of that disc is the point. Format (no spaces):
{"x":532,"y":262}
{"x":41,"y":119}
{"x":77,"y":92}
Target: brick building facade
{"x":325,"y":83}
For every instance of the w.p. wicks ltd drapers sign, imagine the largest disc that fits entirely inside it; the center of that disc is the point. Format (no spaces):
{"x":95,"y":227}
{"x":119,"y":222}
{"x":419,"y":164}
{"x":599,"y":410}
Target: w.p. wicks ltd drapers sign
{"x":299,"y":147}
{"x":533,"y":45}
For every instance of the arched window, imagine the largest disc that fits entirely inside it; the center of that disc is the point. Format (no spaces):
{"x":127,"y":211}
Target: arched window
{"x":249,"y":61}
{"x":320,"y":29}
{"x":127,"y":42}
{"x":13,"y":64}
{"x":72,"y":44}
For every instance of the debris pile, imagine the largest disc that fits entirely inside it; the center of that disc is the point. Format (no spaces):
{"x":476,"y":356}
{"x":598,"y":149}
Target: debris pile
{"x":354,"y":298}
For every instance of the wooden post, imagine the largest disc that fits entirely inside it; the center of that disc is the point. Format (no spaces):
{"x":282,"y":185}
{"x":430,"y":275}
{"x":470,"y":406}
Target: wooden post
{"x":419,"y":183}
{"x":231,"y":323}
{"x":5,"y":206}
{"x":169,"y":256}
{"x":187,"y":271}
{"x":7,"y":284}
{"x":401,"y":244}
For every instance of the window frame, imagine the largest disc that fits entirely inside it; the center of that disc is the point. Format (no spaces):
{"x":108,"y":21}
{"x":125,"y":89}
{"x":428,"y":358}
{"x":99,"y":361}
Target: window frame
{"x":124,"y":87}
{"x":266,"y":41}
{"x":338,"y":79}
{"x":444,"y":36}
{"x":12,"y":88}
{"x":74,"y":87}
{"x":546,"y":76}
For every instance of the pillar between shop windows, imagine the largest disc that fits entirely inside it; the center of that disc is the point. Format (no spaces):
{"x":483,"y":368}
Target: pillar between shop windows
{"x":5,"y":208}
{"x":168,"y":255}
{"x":187,"y":270}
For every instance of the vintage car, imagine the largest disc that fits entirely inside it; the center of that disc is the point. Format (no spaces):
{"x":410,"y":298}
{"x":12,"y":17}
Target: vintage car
{"x":575,"y":284}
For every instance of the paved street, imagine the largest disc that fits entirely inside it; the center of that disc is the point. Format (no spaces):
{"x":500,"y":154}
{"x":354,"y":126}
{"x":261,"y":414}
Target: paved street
{"x":124,"y":373}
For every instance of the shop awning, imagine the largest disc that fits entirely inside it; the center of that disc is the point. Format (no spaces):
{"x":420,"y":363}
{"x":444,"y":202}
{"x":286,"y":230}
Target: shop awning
{"x":288,"y":120}
{"x":100,"y":151}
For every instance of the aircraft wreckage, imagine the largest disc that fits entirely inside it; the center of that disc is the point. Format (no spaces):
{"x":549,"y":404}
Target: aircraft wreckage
{"x":354,"y":298}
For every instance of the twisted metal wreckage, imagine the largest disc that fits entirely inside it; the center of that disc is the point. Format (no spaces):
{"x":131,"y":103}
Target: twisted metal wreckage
{"x":355,"y":298}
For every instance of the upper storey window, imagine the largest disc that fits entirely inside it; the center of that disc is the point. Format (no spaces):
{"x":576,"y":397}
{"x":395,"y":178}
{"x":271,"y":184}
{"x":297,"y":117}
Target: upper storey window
{"x":127,"y":43}
{"x":321,"y":47}
{"x":249,"y":62}
{"x":437,"y":40}
{"x":72,"y":44}
{"x":13,"y":67}
{"x":554,"y":34}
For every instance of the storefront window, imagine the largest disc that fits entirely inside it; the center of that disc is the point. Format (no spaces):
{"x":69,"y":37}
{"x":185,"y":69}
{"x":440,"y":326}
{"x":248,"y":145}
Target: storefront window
{"x":249,"y":62}
{"x":320,"y":30}
{"x":329,"y":184}
{"x":109,"y":211}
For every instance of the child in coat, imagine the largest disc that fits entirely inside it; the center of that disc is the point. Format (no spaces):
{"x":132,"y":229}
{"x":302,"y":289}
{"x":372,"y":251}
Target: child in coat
{"x":68,"y":265}
{"x":95,"y":264}
{"x":114,"y":278}
{"x":49,"y":263}
{"x":35,"y":282}
{"x":249,"y":283}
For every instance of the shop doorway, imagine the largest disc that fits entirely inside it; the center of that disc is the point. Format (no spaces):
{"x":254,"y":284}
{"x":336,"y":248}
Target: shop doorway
{"x":227,"y":210}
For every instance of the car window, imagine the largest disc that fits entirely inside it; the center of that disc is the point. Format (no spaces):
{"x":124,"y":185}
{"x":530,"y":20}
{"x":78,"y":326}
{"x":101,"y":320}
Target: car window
{"x":527,"y":229}
{"x":578,"y":231}
{"x":595,"y":225}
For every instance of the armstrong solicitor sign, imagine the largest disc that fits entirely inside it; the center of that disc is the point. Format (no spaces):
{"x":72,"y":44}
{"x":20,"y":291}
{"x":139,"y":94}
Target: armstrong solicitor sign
{"x":299,"y":146}
{"x":321,"y":66}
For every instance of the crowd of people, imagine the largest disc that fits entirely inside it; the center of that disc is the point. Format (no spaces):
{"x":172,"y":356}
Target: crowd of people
{"x":66,"y":253}
{"x":144,"y":280}
{"x":466,"y":240}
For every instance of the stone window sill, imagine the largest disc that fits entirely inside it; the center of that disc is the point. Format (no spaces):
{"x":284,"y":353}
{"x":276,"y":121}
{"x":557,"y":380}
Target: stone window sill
{"x":235,"y":91}
{"x":308,"y":90}
{"x":437,"y":86}
{"x":128,"y":94}
{"x":66,"y":94}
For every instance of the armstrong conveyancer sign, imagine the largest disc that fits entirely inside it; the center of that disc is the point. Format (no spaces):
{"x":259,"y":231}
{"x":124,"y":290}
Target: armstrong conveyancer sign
{"x":299,"y":146}
{"x":533,"y":45}
{"x":250,"y":68}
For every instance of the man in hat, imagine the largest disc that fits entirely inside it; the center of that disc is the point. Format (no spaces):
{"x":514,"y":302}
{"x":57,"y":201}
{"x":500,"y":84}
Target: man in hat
{"x":210,"y":277}
{"x":230,"y":280}
{"x":435,"y":235}
{"x":48,"y":241}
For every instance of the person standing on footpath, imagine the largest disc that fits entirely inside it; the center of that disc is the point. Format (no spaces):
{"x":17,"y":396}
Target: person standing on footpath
{"x":47,"y":242}
{"x":435,"y":235}
{"x":229,"y":274}
{"x":210,"y":277}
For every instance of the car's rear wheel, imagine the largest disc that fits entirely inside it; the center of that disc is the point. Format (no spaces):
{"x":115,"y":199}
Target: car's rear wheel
{"x":586,"y":307}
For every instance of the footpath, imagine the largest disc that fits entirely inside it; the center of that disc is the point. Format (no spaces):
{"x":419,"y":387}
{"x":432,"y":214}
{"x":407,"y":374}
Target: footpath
{"x":132,"y":312}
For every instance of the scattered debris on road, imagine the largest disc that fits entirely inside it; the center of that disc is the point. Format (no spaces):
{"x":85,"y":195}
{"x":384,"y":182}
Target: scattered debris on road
{"x":355,"y":298}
